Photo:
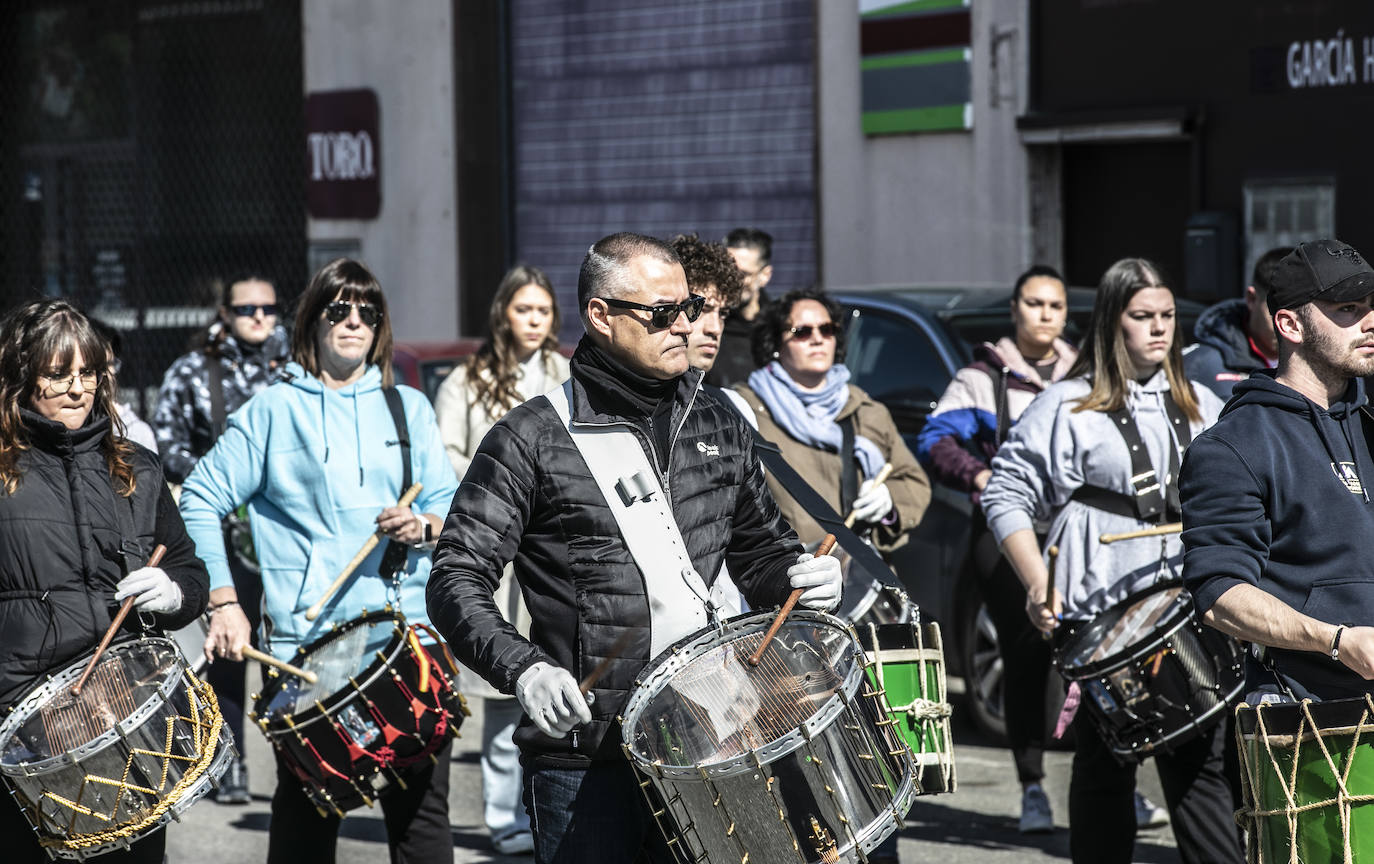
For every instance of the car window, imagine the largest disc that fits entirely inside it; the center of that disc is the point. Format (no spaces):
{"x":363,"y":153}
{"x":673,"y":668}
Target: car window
{"x":434,"y":372}
{"x":894,"y":362}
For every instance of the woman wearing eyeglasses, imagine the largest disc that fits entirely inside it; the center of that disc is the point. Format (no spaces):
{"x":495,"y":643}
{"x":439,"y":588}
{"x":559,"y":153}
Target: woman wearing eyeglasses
{"x":802,"y":400}
{"x":81,"y":509}
{"x":317,"y":459}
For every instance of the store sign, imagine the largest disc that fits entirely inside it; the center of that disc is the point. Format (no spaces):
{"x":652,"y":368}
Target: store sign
{"x":343,"y":155}
{"x":1330,"y":62}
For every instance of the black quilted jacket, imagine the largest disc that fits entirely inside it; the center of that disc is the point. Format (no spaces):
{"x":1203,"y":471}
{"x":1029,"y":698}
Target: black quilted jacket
{"x":529,"y":497}
{"x":60,"y":551}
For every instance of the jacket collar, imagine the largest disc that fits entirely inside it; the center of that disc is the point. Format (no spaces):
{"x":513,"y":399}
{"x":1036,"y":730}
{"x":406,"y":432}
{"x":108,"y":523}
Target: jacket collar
{"x":587,"y":393}
{"x":1005,"y":354}
{"x":53,"y":437}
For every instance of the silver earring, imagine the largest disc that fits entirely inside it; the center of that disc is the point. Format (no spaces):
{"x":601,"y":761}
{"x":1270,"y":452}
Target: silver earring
{"x":775,"y":355}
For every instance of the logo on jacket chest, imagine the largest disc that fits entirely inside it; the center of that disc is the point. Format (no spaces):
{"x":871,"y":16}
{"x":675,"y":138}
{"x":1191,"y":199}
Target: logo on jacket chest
{"x":708,"y":449}
{"x":1346,"y":472}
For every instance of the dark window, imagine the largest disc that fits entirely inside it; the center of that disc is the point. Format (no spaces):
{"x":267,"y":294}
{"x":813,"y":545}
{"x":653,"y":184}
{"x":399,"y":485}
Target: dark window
{"x":894,"y":362}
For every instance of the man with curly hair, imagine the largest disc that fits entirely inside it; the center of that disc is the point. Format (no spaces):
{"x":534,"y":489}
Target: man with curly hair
{"x":752,"y":251}
{"x":711,"y":273}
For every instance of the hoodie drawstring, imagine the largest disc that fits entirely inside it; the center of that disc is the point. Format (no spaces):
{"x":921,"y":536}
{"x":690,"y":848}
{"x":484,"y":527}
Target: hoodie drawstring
{"x":357,"y":437}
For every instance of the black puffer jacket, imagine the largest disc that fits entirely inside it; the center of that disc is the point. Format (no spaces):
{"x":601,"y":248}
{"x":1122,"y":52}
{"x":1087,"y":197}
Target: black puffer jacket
{"x":60,"y":551}
{"x":529,"y":497}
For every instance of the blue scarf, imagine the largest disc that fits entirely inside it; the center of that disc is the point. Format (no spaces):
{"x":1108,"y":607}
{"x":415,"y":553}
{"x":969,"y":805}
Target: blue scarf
{"x":809,"y":416}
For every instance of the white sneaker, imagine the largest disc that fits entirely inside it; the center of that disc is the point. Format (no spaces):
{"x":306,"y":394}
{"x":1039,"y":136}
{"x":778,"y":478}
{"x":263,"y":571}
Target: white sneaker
{"x":1148,"y":814}
{"x":1036,"y":817}
{"x":519,"y":843}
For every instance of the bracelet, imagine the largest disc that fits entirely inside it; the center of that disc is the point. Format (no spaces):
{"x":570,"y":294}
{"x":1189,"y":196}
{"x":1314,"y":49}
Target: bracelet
{"x":1336,"y":643}
{"x":212,"y":609}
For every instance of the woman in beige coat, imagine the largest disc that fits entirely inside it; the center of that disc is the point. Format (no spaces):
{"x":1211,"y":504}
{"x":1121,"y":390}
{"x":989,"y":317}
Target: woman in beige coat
{"x":518,"y":361}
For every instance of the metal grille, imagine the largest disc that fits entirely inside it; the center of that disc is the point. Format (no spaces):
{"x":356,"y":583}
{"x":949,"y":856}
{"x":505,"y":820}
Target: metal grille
{"x":151,"y":149}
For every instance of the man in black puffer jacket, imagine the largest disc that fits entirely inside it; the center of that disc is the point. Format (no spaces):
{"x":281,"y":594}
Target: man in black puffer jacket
{"x":1236,"y":337}
{"x":529,"y":497}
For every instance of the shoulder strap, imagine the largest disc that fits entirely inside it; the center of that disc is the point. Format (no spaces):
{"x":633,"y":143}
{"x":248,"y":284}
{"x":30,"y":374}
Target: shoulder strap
{"x":216,"y":387}
{"x":1154,"y":499}
{"x":1000,"y":395}
{"x":394,"y":558}
{"x":849,"y":467}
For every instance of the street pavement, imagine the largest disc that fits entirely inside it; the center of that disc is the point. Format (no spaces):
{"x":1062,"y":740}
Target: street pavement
{"x":977,"y":823}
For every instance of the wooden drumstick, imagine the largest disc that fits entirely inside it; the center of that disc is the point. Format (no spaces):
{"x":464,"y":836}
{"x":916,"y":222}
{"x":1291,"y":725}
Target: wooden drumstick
{"x":590,"y":681}
{"x":881,"y":477}
{"x":1166,"y":528}
{"x":263,"y":657}
{"x":757,"y":657}
{"x":153,"y":560}
{"x":1049,"y":588}
{"x":314,"y":611}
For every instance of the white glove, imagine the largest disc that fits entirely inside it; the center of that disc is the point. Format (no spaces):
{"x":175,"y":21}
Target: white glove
{"x":873,"y":503}
{"x":821,"y":577}
{"x":550,"y":696}
{"x":155,"y":590}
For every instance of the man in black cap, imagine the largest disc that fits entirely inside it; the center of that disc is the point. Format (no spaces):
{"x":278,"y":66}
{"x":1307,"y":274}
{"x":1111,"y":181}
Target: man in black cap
{"x":1276,"y":509}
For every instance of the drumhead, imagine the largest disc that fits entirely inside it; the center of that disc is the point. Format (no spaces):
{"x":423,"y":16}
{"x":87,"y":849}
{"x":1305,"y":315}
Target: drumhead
{"x":345,"y":654}
{"x":704,"y":703}
{"x":131,"y":679}
{"x":1135,"y":620}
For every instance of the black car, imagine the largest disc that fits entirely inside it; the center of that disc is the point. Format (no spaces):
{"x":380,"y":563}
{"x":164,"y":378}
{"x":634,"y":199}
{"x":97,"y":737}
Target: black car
{"x":904,"y":346}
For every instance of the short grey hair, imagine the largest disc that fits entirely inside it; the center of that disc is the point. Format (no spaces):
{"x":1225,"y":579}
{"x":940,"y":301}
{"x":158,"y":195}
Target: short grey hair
{"x":603,"y":272}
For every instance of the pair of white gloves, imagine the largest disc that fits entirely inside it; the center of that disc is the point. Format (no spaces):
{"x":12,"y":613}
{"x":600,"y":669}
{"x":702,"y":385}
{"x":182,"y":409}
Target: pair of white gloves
{"x":550,"y":694}
{"x":874,"y":502}
{"x":155,"y":590}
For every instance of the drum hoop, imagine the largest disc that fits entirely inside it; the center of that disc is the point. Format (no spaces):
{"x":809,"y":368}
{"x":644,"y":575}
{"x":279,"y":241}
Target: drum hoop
{"x":341,"y":698}
{"x":1200,"y":723}
{"x":1170,"y":626}
{"x":681,"y":654}
{"x":34,"y":701}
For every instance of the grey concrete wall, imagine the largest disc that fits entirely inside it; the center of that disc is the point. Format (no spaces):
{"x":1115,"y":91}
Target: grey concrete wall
{"x":922,"y":208}
{"x":405,"y":53}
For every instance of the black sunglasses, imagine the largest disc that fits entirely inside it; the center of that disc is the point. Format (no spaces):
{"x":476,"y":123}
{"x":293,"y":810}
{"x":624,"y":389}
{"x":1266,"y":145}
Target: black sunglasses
{"x":665,"y":315}
{"x":248,"y":310}
{"x":339,"y":309}
{"x":803,"y":332}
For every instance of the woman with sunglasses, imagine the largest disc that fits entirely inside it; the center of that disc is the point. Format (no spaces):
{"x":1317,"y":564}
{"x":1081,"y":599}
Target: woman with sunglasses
{"x":519,"y":360}
{"x":317,"y":459}
{"x":802,"y":400}
{"x":242,"y":352}
{"x":1099,"y":453}
{"x":81,"y":509}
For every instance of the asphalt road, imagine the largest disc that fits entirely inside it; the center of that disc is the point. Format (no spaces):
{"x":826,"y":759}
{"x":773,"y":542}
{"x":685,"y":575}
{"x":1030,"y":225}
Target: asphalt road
{"x":977,"y":823}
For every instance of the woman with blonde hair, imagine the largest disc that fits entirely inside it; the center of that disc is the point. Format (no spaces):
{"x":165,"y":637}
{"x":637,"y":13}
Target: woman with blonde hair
{"x":518,"y":361}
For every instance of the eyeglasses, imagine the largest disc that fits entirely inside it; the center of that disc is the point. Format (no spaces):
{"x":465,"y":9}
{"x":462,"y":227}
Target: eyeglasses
{"x":248,"y":310}
{"x":339,"y":310}
{"x":60,"y":384}
{"x":802,"y":333}
{"x":665,"y":315}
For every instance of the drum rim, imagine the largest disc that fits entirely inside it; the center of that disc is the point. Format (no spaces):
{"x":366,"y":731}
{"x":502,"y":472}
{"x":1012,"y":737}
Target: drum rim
{"x":25,"y":708}
{"x":1333,"y":714}
{"x":1199,"y":725}
{"x":1134,"y":649}
{"x":327,"y":707}
{"x":688,"y":649}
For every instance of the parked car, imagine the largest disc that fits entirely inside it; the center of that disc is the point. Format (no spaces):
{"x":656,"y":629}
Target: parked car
{"x":425,"y":365}
{"x":905,"y":344}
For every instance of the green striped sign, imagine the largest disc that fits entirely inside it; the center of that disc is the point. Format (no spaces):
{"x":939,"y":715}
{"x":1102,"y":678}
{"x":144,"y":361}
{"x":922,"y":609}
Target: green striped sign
{"x":915,"y":65}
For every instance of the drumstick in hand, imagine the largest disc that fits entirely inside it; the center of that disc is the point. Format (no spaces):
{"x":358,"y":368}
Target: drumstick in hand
{"x":1166,"y":528}
{"x":263,"y":657}
{"x":757,"y":657}
{"x":153,"y":560}
{"x":880,"y":477}
{"x":314,"y":611}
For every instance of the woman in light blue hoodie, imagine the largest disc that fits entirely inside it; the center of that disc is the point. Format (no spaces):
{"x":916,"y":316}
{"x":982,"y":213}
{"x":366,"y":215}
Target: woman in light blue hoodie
{"x":317,"y":459}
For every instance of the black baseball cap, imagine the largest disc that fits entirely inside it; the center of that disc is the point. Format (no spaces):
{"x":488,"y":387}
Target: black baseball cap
{"x":1320,"y":270}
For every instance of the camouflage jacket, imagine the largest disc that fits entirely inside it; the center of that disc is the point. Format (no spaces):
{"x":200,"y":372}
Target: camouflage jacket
{"x":184,"y":414}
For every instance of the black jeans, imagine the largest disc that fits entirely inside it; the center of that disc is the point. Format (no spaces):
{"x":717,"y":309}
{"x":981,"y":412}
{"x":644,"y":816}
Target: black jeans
{"x":1102,"y":800}
{"x":416,"y":817}
{"x":1025,"y":659}
{"x":593,"y":815}
{"x":21,"y":843}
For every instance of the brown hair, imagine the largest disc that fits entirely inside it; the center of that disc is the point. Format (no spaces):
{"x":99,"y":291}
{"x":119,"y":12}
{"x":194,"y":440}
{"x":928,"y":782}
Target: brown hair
{"x":708,"y":264}
{"x":495,"y":390}
{"x":344,"y":279}
{"x":1103,"y":358}
{"x":32,"y":337}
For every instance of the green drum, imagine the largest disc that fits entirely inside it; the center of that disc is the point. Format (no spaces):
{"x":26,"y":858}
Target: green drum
{"x":907,"y":663}
{"x":1307,"y":777}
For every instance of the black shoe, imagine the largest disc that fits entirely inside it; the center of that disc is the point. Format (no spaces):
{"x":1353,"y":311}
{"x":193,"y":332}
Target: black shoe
{"x":233,"y":786}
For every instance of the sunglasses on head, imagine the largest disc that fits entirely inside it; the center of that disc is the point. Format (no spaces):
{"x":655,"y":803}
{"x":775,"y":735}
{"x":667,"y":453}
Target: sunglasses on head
{"x":248,"y":310}
{"x":665,"y":315}
{"x":827,"y":330}
{"x":339,"y":309}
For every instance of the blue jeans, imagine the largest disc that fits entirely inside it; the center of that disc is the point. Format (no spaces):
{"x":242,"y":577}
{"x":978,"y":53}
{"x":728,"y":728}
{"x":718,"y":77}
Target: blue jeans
{"x":594,"y":815}
{"x":503,"y":808}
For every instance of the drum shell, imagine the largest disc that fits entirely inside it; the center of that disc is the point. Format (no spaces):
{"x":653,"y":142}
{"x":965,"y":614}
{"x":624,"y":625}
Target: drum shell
{"x":321,"y":746}
{"x":844,"y":765}
{"x":912,"y":672}
{"x":1288,"y":739}
{"x":137,"y":748}
{"x":1163,"y":689}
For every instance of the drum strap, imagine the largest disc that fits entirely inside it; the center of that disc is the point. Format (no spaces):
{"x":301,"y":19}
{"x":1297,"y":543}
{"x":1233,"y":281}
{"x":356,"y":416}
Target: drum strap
{"x":679,"y":600}
{"x":394,"y":558}
{"x":1153,"y":500}
{"x":216,"y":387}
